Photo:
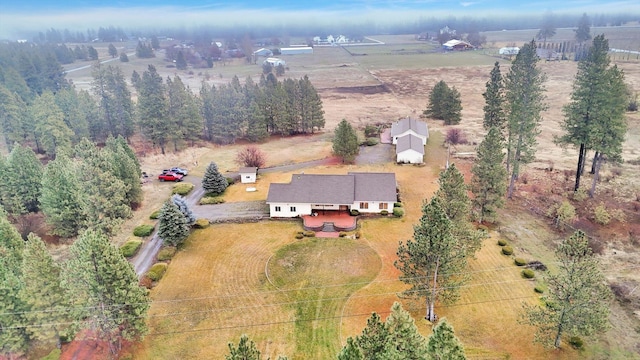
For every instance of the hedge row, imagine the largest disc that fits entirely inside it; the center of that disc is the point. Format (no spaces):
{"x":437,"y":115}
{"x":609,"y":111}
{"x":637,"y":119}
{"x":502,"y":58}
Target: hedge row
{"x":182,"y":188}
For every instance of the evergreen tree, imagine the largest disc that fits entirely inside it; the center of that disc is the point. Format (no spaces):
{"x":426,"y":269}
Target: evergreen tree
{"x":345,"y":142}
{"x":524,"y":87}
{"x":246,"y":350}
{"x":125,"y":167}
{"x":181,"y":62}
{"x":578,"y":296}
{"x":213,"y":181}
{"x":12,"y":117}
{"x":43,"y":294}
{"x":173,"y":226}
{"x":489,"y":181}
{"x":372,"y":341}
{"x":456,"y":204}
{"x":207,"y":95}
{"x":113,"y":52}
{"x":182,"y":205}
{"x":433,"y":261}
{"x":152,"y":109}
{"x":494,"y":101}
{"x":13,"y":336}
{"x":312,"y":114}
{"x":583,"y":32}
{"x":444,"y":104}
{"x":547,"y":28}
{"x":62,"y":197}
{"x":443,"y":344}
{"x":20,"y":191}
{"x":116,"y":106}
{"x":51,"y":133}
{"x":93,"y":53}
{"x":404,"y":341}
{"x":75,"y":116}
{"x":350,"y":351}
{"x":124,"y":57}
{"x":594,"y":119}
{"x":105,"y":290}
{"x":183,"y":112}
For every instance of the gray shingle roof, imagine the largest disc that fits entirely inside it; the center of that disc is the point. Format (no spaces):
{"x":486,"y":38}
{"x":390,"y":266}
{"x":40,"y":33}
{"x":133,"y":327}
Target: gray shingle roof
{"x":404,"y":125}
{"x":409,"y":141}
{"x":248,"y":170}
{"x":335,"y":189}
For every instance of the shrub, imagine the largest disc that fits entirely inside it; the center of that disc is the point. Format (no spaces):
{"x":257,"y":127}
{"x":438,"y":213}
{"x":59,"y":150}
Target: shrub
{"x":182,"y":188}
{"x":455,"y":136}
{"x":528,"y":274}
{"x":299,"y":236}
{"x":143,"y":230}
{"x":397,"y":204}
{"x":342,"y":234}
{"x":520,"y":261}
{"x":358,"y":234}
{"x":157,"y":271}
{"x":398,"y":212}
{"x":201,"y":224}
{"x":580,"y":195}
{"x":371,"y":141}
{"x":619,"y":215}
{"x":371,"y":131}
{"x":355,"y":212}
{"x":166,"y":253}
{"x":211,"y":200}
{"x":309,"y":233}
{"x":384,"y":213}
{"x":154,"y":215}
{"x":576,"y":342}
{"x":539,"y":289}
{"x":565,"y":215}
{"x":507,"y":250}
{"x":130,"y":248}
{"x":502,"y":242}
{"x":53,"y":355}
{"x":601,"y":215}
{"x":251,"y":156}
{"x":145,"y":281}
{"x":230,"y":181}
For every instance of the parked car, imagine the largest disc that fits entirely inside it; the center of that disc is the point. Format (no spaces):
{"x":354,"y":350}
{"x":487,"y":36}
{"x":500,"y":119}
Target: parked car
{"x":180,"y":171}
{"x":170,"y":176}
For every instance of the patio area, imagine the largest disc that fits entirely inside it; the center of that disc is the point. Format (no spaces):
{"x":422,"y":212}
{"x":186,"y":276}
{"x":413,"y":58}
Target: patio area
{"x":339,"y":220}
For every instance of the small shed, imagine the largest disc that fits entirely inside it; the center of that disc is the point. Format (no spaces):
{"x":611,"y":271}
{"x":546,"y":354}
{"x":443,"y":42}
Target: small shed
{"x":248,"y":175}
{"x":409,"y":150}
{"x":263,"y":52}
{"x":275,"y":62}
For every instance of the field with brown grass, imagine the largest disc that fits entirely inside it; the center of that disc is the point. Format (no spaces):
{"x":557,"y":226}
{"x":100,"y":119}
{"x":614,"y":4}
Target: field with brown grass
{"x":217,"y":287}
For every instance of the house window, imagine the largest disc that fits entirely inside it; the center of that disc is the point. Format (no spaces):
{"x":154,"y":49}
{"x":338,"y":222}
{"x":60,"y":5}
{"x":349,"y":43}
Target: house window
{"x":364,"y":205}
{"x":277,"y":208}
{"x":383,"y":206}
{"x":292,"y":209}
{"x":248,"y":177}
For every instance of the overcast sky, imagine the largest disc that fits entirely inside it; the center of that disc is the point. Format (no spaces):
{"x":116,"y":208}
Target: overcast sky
{"x":17,"y":16}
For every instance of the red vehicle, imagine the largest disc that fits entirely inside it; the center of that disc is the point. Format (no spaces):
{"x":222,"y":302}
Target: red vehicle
{"x":169,"y":176}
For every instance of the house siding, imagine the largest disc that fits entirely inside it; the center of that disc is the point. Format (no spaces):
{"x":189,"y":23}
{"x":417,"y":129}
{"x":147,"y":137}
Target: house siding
{"x":372,"y":206}
{"x":248,"y":178}
{"x":409,"y":156}
{"x":285,"y":210}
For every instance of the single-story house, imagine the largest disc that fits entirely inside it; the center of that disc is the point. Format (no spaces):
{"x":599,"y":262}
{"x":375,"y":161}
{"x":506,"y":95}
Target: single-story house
{"x":274,"y":62}
{"x":248,"y":175}
{"x":296,"y":50}
{"x":308,"y":193}
{"x":410,"y":150}
{"x":409,"y":126}
{"x":457,"y":45}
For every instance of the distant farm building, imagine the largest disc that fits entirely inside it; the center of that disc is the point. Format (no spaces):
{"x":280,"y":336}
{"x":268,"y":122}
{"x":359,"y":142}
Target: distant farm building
{"x":509,"y":51}
{"x":296,"y":50}
{"x":457,"y":45}
{"x":263,"y":52}
{"x":274,"y":62}
{"x":548,"y":54}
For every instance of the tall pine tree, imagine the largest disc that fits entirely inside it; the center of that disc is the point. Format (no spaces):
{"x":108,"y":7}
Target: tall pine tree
{"x":443,"y":344}
{"x":173,"y":226}
{"x":345,"y":142}
{"x":494,"y":101}
{"x":489,"y":181}
{"x":62,"y":197}
{"x":153,"y":108}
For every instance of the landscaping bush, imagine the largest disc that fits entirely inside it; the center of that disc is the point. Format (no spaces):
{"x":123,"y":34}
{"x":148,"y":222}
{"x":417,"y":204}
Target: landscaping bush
{"x":539,"y":289}
{"x":398,"y":212}
{"x":371,"y":141}
{"x":166,"y":253}
{"x":520,"y":261}
{"x":355,"y":212}
{"x":299,"y":236}
{"x":182,"y":188}
{"x":397,"y":204}
{"x":145,"y":281}
{"x":154,"y":215}
{"x":143,"y":230}
{"x":502,"y":242}
{"x":130,"y":248}
{"x":576,"y":342}
{"x":528,"y":274}
{"x":601,"y":215}
{"x":309,"y":233}
{"x":211,"y":200}
{"x":580,"y":195}
{"x":201,"y":224}
{"x":384,"y":213}
{"x":507,"y":250}
{"x":342,"y":234}
{"x":157,"y":271}
{"x":358,"y":234}
{"x":230,"y":181}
